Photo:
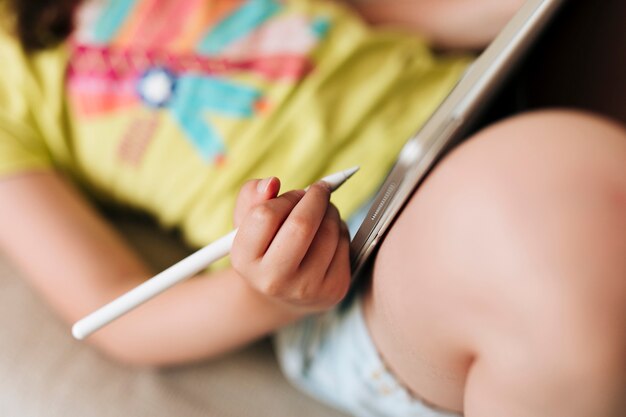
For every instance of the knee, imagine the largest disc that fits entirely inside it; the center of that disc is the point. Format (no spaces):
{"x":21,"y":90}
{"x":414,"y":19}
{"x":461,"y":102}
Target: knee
{"x":516,"y":244}
{"x":536,"y":209}
{"x":525,"y":223}
{"x":544,"y":179}
{"x":542,"y":154}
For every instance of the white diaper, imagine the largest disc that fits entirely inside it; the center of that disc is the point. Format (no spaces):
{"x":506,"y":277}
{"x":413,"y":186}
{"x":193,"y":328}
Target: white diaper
{"x":333,"y":358}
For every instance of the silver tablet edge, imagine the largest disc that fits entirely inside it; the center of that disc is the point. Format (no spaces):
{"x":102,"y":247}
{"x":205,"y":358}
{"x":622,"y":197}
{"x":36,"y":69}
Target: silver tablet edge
{"x":478,"y":83}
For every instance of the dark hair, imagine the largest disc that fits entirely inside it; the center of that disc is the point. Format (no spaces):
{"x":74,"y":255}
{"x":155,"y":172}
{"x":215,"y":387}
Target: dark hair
{"x":40,"y":24}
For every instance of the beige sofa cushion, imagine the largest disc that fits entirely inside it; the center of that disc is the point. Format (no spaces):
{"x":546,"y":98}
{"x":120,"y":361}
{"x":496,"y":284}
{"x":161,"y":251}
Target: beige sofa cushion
{"x":44,"y":372}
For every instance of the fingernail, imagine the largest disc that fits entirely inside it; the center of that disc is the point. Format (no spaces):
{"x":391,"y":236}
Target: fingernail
{"x":322,"y":184}
{"x":325,"y":185}
{"x":261,"y":186}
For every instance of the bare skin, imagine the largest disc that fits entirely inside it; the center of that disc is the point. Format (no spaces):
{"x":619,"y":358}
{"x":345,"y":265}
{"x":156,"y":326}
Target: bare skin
{"x":514,"y":302}
{"x":43,"y":218}
{"x":457,"y":24}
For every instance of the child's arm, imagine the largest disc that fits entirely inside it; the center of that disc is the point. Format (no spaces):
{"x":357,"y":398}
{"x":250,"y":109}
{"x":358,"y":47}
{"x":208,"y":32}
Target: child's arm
{"x":447,"y":23}
{"x":77,"y":262}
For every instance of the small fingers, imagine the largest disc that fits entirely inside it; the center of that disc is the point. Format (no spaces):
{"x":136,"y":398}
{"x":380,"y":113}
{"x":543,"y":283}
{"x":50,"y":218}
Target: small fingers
{"x":325,"y":242}
{"x":338,"y":276}
{"x":259,"y":227}
{"x":292,"y":241}
{"x":295,"y":249}
{"x":321,"y":285}
{"x":252,"y":193}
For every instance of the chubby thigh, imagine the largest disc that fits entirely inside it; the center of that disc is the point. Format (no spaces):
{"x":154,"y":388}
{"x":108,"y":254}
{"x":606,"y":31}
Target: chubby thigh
{"x":480,"y":300}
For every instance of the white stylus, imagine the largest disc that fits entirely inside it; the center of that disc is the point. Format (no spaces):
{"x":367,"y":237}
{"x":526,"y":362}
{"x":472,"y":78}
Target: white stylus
{"x":178,"y":272}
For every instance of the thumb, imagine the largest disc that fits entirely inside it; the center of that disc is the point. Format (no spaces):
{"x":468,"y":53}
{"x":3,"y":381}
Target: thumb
{"x":253,"y":193}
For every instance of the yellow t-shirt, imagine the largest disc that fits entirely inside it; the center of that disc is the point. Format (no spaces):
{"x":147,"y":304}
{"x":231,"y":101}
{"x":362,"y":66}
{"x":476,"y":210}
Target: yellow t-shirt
{"x":168,"y":106}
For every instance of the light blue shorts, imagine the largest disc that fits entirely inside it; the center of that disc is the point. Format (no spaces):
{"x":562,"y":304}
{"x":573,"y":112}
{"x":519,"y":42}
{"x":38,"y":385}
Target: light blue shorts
{"x":333,"y":358}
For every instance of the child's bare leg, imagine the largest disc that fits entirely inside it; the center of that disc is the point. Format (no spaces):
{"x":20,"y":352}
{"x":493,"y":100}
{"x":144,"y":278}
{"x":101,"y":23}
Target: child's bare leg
{"x":501,"y":290}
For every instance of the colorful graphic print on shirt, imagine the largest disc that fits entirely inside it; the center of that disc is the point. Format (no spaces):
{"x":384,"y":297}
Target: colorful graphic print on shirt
{"x":180,"y":58}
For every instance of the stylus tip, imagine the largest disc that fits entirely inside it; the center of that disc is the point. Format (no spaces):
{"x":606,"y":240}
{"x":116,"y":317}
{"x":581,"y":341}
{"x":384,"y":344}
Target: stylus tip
{"x":350,"y":172}
{"x":336,"y":180}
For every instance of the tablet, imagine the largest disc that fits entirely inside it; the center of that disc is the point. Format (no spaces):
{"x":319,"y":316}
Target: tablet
{"x":448,"y":123}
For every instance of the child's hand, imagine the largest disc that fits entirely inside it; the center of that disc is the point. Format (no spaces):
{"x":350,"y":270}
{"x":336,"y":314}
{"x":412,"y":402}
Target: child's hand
{"x":293,"y":248}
